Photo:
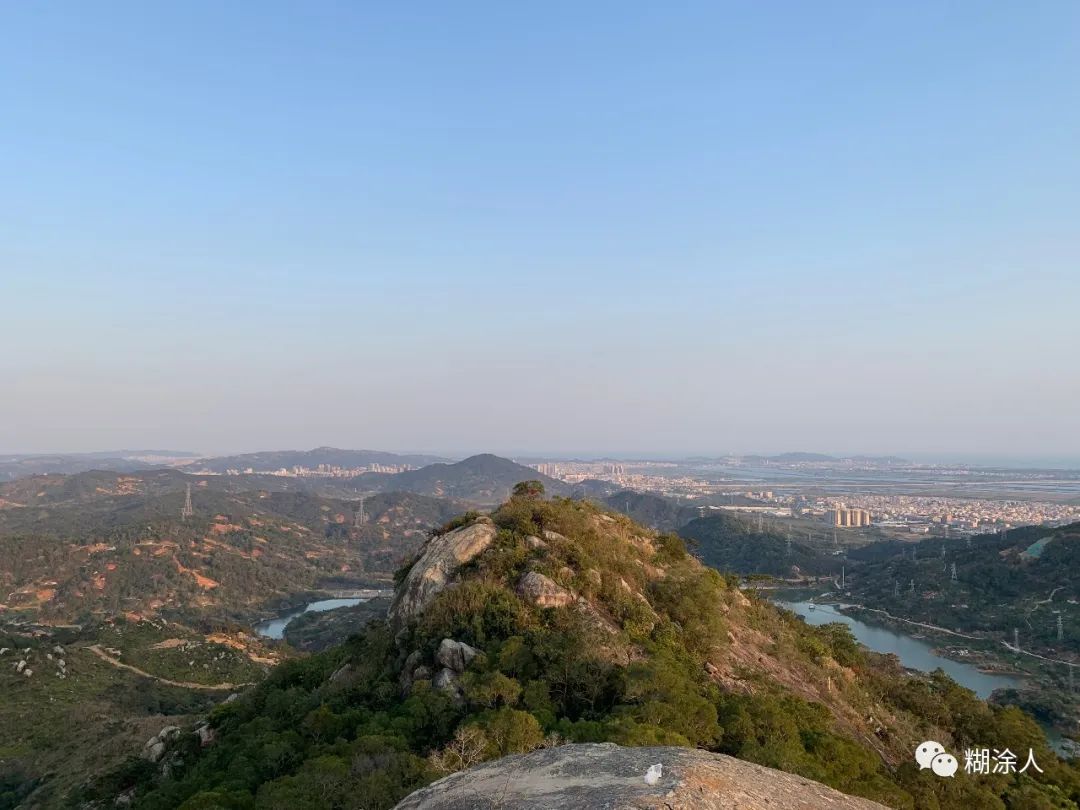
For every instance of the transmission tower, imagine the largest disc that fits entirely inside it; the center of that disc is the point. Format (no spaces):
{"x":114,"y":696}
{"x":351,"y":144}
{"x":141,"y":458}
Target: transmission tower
{"x":358,"y":517}
{"x":188,"y":510}
{"x":843,"y":577}
{"x":896,"y":587}
{"x":1060,"y":629}
{"x":1016,"y":638}
{"x":911,"y":586}
{"x":953,"y":575}
{"x":789,"y":545}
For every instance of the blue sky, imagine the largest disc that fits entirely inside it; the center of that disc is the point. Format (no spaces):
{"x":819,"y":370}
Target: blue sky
{"x":604,"y":227}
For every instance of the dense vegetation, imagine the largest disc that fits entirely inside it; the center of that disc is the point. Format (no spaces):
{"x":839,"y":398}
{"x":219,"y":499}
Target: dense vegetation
{"x":730,"y":543}
{"x":315,"y":631}
{"x":55,"y":732}
{"x":104,"y":560}
{"x":657,"y":650}
{"x":999,"y":584}
{"x":102,"y":547}
{"x":654,"y":511}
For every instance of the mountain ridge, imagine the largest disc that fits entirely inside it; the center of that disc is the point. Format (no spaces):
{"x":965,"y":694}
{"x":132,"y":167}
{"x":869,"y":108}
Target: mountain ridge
{"x":554,"y":621}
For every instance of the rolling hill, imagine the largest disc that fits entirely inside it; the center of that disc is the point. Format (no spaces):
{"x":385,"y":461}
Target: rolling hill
{"x":728,"y":543}
{"x":98,"y":544}
{"x":654,"y":511}
{"x":483,"y":479}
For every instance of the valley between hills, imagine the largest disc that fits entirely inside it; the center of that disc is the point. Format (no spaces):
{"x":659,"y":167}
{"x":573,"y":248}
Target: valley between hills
{"x":133,"y":676}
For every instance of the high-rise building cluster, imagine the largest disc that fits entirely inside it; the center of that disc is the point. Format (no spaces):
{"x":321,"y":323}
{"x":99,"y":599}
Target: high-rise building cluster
{"x":849,"y":518}
{"x":548,"y":469}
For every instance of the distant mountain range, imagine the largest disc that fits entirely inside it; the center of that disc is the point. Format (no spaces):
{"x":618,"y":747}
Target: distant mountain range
{"x":811,"y":458}
{"x":19,"y":466}
{"x":479,"y":480}
{"x":273,"y":460}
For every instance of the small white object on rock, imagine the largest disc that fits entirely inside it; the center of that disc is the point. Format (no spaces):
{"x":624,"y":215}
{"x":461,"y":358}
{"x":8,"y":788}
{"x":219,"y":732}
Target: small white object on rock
{"x":652,"y":776}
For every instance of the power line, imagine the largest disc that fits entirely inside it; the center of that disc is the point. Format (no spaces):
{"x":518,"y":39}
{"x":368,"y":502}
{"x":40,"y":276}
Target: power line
{"x":188,"y":510}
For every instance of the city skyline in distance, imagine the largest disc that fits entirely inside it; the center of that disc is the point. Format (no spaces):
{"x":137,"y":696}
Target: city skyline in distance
{"x":789,"y":456}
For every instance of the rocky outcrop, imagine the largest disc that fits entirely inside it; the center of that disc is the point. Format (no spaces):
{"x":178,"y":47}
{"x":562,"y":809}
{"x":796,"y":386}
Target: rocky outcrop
{"x":440,"y":559}
{"x":455,"y":655}
{"x":154,"y":749}
{"x":543,"y":591}
{"x":446,"y":680}
{"x":603,"y":777}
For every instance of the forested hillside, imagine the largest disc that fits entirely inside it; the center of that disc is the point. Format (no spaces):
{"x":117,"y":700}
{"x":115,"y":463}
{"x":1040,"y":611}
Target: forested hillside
{"x":730,"y":543}
{"x":552,"y":621}
{"x":654,"y":511}
{"x":96,"y":545}
{"x":1025,"y":578}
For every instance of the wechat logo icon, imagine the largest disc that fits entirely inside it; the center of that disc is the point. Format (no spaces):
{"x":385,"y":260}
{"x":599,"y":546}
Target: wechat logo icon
{"x":933,"y":755}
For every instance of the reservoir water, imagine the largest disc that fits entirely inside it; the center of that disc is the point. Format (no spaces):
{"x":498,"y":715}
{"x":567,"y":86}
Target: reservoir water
{"x":915,"y":653}
{"x":912,"y":652}
{"x":275,"y":628}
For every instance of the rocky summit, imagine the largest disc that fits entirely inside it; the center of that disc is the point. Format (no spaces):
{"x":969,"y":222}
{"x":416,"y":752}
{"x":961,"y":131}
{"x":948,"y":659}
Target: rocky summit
{"x":438,"y":562}
{"x":612,"y":777}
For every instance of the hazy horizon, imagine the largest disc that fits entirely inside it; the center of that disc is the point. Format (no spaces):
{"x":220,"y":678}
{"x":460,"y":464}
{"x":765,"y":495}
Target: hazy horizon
{"x":716,"y":228}
{"x":1030,"y":462}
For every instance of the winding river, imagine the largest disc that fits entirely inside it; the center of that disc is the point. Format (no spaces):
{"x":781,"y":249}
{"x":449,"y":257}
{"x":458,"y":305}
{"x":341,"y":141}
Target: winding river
{"x":915,"y":653}
{"x":275,"y":628}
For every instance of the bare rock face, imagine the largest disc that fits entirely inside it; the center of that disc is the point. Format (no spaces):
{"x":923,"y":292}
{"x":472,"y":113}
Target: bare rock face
{"x":455,"y":655}
{"x":155,"y":747}
{"x":543,"y":591}
{"x":446,"y":680}
{"x":439,"y":561}
{"x":610,"y":777}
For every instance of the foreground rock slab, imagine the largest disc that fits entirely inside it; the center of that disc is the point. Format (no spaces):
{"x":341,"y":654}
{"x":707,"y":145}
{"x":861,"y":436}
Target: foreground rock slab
{"x":610,"y":777}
